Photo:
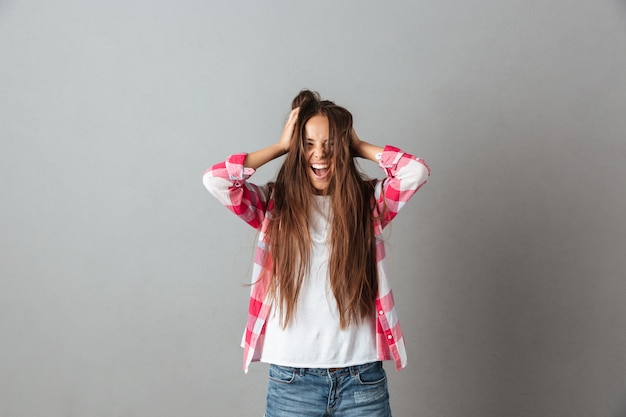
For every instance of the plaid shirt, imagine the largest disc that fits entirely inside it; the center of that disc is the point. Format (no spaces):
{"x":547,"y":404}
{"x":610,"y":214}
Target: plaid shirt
{"x":227,"y":181}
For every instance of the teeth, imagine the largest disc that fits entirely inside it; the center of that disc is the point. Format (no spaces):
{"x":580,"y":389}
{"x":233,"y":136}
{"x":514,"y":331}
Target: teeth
{"x":319,"y":166}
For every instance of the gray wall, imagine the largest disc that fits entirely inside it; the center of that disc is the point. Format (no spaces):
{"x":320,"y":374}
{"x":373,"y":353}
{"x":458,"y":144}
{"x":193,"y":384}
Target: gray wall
{"x":120,"y":277}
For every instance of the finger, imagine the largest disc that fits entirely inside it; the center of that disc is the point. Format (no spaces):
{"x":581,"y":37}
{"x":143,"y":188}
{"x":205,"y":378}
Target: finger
{"x":293,"y":115}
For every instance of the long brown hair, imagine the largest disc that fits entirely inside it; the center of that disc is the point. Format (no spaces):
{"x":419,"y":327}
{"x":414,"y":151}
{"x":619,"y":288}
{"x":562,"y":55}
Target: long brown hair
{"x":352,"y":264}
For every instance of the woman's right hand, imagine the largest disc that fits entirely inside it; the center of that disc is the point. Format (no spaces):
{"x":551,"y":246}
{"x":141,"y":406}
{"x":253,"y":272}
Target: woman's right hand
{"x":261,"y":157}
{"x":285,"y":138}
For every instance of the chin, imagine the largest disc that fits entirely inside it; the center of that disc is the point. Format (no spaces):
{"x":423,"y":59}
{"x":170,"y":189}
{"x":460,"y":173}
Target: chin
{"x":320,"y":186}
{"x":320,"y":189}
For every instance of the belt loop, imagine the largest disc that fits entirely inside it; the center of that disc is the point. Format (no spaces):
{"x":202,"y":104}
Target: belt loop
{"x":354,"y":370}
{"x":301,"y":371}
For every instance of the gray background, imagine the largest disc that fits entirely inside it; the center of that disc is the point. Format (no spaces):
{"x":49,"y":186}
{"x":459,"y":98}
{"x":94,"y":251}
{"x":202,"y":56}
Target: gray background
{"x":120,"y":277}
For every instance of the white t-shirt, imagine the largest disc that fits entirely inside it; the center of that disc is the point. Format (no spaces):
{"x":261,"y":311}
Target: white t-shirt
{"x":313,"y":338}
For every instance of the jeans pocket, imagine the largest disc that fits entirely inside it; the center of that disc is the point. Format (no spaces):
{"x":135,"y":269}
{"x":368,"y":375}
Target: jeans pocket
{"x":282,"y":374}
{"x":372,"y":388}
{"x":373,"y":375}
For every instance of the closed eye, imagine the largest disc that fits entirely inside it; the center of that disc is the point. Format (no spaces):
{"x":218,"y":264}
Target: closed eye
{"x":327,"y":144}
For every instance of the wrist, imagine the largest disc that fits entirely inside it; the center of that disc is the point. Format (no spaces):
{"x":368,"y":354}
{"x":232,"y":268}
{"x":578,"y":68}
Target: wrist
{"x":371,"y":152}
{"x":281,"y":149}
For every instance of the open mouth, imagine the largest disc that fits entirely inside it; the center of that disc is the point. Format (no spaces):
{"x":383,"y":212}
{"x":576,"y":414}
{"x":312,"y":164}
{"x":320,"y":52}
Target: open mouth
{"x":320,"y":170}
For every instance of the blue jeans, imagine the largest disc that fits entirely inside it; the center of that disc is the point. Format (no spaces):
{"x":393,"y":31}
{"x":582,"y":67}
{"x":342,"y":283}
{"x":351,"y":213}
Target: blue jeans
{"x":355,"y":391}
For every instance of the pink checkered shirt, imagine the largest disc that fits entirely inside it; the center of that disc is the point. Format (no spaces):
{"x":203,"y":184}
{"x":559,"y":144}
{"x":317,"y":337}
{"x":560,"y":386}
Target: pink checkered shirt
{"x":227,"y":181}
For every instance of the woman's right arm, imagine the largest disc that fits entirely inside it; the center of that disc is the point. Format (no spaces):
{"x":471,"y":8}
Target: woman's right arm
{"x":259,"y":158}
{"x":227,"y":180}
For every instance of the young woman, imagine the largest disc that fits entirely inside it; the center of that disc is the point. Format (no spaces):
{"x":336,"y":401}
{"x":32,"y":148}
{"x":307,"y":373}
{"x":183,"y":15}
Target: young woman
{"x":321,"y":310}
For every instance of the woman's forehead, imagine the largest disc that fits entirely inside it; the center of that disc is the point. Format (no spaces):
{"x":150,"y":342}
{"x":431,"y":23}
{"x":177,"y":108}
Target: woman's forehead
{"x":317,"y":128}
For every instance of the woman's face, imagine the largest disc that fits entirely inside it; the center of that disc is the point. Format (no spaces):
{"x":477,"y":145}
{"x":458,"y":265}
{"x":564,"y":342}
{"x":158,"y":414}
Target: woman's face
{"x":316,"y":145}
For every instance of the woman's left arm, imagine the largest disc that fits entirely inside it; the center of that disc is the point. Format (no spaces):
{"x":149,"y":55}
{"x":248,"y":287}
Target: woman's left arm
{"x":405,"y":175}
{"x":364,"y":149}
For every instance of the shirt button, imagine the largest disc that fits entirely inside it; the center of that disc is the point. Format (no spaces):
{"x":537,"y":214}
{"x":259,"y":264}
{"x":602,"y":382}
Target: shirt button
{"x":390,"y":337}
{"x":381,"y":312}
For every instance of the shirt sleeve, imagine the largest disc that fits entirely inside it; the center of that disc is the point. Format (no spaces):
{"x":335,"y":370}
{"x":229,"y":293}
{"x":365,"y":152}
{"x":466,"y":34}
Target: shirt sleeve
{"x":405,"y":175}
{"x":228,"y":182}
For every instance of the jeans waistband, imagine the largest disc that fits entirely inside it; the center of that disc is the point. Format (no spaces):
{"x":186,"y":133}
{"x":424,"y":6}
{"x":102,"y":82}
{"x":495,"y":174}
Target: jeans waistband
{"x":352,"y":370}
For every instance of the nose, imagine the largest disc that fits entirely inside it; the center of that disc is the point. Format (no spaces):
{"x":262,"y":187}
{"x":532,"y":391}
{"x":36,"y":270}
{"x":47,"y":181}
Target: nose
{"x":319,"y":151}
